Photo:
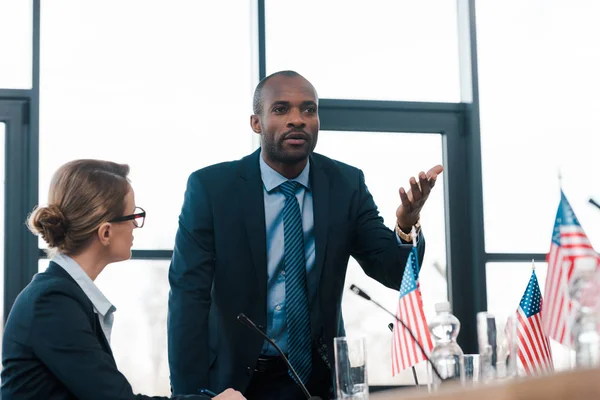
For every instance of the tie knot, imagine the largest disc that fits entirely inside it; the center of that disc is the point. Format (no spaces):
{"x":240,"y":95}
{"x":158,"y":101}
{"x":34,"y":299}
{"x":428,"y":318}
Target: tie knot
{"x":289,"y":188}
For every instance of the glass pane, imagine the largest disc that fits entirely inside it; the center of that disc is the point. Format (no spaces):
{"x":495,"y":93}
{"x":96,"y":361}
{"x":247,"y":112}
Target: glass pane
{"x":538,"y":85}
{"x":16,"y":38}
{"x":2,"y":176}
{"x":506,"y":284}
{"x":377,"y":154}
{"x":381,"y":49}
{"x":139,"y":335}
{"x":157,"y":99}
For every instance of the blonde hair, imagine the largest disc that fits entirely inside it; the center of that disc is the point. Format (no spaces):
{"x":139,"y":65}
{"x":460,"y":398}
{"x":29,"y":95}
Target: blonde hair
{"x":83,"y":194}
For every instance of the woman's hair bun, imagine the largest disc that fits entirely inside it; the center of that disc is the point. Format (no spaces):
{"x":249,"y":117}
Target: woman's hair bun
{"x":49,"y":222}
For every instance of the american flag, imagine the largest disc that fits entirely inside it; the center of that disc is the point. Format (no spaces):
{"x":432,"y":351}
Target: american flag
{"x":569,"y":242}
{"x":534,"y":346}
{"x":405,"y":353}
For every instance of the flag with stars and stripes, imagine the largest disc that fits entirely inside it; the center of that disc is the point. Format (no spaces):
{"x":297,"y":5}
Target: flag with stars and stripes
{"x":569,"y":243}
{"x":534,"y":351}
{"x":405,"y":352}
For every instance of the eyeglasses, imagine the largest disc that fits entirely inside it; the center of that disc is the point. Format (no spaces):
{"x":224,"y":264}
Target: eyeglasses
{"x":138,"y":217}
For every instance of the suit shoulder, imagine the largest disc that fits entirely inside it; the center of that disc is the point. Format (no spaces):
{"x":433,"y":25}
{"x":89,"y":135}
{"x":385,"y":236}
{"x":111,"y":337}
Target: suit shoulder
{"x":46,"y":286}
{"x":212,"y":174}
{"x":335,"y":164}
{"x":336,"y":167}
{"x":216,"y":169}
{"x":217,"y":173}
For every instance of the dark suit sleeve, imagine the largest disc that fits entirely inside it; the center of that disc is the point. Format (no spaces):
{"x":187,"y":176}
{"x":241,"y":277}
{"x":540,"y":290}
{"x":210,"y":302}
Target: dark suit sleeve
{"x":375,"y":246}
{"x":63,"y":339}
{"x":191,"y":277}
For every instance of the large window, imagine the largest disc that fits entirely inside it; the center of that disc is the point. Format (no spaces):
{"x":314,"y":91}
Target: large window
{"x":538,"y":86}
{"x":376,"y":50}
{"x":164,"y":97}
{"x":2,"y":175}
{"x":381,"y":50}
{"x":147,"y":84}
{"x":388,"y":160}
{"x":16,"y":44}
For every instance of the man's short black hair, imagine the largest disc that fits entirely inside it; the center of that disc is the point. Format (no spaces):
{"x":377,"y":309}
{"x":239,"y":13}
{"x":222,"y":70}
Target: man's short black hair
{"x":257,"y":103}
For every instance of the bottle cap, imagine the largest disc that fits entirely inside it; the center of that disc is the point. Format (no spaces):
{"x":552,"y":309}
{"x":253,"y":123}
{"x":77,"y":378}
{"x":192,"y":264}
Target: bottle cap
{"x":443,"y":307}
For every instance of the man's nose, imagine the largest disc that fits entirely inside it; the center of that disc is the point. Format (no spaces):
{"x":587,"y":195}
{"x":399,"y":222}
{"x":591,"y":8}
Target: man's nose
{"x":295,"y":119}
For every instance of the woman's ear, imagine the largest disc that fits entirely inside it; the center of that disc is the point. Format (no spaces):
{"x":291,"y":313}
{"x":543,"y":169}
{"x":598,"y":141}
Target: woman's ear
{"x":105,"y":233}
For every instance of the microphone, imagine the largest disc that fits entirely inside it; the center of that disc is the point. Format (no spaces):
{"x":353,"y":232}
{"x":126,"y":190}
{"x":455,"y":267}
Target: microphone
{"x":365,"y":296}
{"x":248,"y":322}
{"x":593,"y":202}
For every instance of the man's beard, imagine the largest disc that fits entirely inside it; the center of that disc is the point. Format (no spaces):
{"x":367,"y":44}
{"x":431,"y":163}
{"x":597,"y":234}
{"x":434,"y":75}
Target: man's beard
{"x":277,"y":153}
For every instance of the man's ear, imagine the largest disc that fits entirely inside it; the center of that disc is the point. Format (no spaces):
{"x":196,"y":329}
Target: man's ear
{"x":255,"y":124}
{"x":104,"y":233}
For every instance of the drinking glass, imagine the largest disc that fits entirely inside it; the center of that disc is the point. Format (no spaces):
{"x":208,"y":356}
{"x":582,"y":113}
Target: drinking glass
{"x":497,"y":346}
{"x":351,"y":368}
{"x":472,"y":369}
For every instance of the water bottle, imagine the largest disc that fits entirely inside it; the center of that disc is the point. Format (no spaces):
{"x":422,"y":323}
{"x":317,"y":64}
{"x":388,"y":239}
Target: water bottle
{"x":447,"y":356}
{"x":585,"y":334}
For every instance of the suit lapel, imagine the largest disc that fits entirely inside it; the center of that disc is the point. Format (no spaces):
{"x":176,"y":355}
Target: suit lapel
{"x":55,"y":269}
{"x":252,"y":198}
{"x":320,"y":192}
{"x":100,"y":335}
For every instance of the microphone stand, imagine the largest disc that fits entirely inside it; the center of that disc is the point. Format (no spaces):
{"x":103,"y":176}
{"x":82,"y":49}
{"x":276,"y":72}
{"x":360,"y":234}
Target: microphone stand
{"x":248,"y":322}
{"x":365,"y":296}
{"x":414,"y":371}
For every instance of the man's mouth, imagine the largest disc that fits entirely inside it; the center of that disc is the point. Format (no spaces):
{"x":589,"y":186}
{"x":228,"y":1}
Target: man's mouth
{"x":296,"y":138}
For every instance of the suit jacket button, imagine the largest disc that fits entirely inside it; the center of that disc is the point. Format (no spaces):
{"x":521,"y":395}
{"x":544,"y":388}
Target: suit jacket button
{"x":249,"y":371}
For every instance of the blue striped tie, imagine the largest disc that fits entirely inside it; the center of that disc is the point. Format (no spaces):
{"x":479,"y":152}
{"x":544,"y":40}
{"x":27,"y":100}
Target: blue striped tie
{"x":296,"y":297}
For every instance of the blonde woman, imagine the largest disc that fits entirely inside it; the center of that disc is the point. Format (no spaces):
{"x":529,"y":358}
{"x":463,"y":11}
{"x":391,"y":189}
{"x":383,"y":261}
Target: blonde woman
{"x":56,"y":343}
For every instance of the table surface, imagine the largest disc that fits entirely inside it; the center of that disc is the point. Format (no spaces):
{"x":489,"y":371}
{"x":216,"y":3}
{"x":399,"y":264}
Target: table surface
{"x":578,"y":384}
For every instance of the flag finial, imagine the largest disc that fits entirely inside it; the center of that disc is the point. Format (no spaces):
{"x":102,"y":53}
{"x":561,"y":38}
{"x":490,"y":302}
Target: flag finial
{"x":559,"y":174}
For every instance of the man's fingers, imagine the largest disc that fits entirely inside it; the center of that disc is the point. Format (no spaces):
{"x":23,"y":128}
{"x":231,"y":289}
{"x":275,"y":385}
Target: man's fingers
{"x":424,"y":184}
{"x":404,"y":198}
{"x":431,"y":181}
{"x":415,"y":189}
{"x":438,"y":169}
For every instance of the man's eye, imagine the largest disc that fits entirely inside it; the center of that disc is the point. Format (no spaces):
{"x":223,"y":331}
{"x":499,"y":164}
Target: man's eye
{"x":311,"y":110}
{"x":278,"y":110}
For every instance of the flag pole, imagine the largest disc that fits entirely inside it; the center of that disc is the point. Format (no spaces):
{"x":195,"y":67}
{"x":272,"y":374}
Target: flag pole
{"x":415,"y":376}
{"x":413,"y":233}
{"x":414,"y":242}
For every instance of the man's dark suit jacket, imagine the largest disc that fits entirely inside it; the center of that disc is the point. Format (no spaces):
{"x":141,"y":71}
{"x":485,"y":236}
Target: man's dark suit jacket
{"x":219,"y":266}
{"x":54,"y":348}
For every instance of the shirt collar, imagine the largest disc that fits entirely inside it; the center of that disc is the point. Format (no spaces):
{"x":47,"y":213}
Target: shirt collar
{"x":272,"y":179}
{"x":102,"y":305}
